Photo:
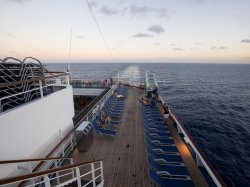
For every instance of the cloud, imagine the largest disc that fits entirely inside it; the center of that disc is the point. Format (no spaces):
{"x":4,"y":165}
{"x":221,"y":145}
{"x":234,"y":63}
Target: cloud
{"x":218,"y":48}
{"x":18,"y":1}
{"x":178,"y":49}
{"x":157,"y":43}
{"x":198,"y":43}
{"x":143,"y":10}
{"x":93,"y":4}
{"x":223,"y":47}
{"x":124,"y":11}
{"x":213,"y":48}
{"x":80,"y":37}
{"x":142,"y":35}
{"x":245,"y":41}
{"x":108,"y":11}
{"x":197,"y":1}
{"x":156,"y":29}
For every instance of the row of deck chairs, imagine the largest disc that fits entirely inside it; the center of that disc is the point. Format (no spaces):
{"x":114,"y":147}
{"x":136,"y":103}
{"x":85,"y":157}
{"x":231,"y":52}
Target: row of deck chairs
{"x":114,"y":108}
{"x":166,"y":167}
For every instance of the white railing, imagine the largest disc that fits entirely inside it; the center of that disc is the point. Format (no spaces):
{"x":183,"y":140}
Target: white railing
{"x":26,"y":166}
{"x":19,"y":98}
{"x":81,"y":83}
{"x":80,"y":174}
{"x":201,"y":160}
{"x":132,"y":83}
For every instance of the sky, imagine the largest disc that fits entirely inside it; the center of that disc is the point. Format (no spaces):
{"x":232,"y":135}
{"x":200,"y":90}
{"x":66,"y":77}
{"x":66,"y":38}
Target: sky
{"x":126,"y":30}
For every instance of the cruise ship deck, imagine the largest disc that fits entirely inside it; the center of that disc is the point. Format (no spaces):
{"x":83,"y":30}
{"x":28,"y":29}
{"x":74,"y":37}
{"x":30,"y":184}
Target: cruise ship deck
{"x":125,"y":156}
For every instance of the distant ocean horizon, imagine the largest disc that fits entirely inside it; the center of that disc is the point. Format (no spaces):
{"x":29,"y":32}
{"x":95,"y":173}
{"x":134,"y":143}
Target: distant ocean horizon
{"x":211,"y":100}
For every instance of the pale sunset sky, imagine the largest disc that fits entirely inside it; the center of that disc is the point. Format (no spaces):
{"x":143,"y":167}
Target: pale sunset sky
{"x":134,"y":30}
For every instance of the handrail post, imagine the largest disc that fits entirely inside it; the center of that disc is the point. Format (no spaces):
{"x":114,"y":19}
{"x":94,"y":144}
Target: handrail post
{"x":57,"y":175}
{"x":67,"y":80}
{"x":93,"y":174}
{"x":118,"y":77}
{"x":78,"y":177}
{"x":41,"y":88}
{"x":71,"y":163}
{"x":46,"y":181}
{"x":30,"y":167}
{"x":101,"y":165}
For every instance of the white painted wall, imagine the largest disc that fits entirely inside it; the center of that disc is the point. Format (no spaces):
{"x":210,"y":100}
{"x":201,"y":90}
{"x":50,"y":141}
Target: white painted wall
{"x":32,"y":130}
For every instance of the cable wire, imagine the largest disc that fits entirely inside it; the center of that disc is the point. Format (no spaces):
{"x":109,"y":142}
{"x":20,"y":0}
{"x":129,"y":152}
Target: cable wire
{"x":106,"y":44}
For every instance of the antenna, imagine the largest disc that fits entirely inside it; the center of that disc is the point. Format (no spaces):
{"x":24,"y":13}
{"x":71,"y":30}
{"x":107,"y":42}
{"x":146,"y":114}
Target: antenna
{"x":68,"y":68}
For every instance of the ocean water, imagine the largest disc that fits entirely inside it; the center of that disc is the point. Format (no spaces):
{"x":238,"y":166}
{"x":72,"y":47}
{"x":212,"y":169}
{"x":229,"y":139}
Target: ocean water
{"x":211,"y":100}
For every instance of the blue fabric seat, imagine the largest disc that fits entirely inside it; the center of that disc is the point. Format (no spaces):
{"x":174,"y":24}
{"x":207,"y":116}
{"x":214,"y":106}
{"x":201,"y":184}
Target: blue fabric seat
{"x":169,"y":182}
{"x":170,"y":169}
{"x":167,"y":157}
{"x":103,"y":131}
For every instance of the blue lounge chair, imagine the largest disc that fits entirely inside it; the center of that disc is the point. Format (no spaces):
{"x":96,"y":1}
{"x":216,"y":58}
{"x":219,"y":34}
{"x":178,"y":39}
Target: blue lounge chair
{"x":168,"y":157}
{"x":103,"y":131}
{"x":169,"y":182}
{"x":175,"y":170}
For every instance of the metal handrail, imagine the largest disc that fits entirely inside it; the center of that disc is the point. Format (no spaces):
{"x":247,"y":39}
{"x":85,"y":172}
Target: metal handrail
{"x":3,"y":85}
{"x":205,"y":162}
{"x":45,"y":174}
{"x":32,"y":160}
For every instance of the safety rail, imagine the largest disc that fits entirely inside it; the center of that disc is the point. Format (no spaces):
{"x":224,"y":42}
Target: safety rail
{"x":68,"y":143}
{"x":131,"y":83}
{"x":81,"y":174}
{"x":82,"y":83}
{"x":40,"y":84}
{"x":27,"y":165}
{"x":201,"y":159}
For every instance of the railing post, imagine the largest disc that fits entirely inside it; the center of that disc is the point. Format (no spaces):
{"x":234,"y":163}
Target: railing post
{"x":101,"y":165}
{"x":118,"y":77}
{"x":198,"y":160}
{"x":46,"y":181}
{"x":93,"y":174}
{"x":78,"y":177}
{"x":30,"y":167}
{"x":57,"y":175}
{"x":71,"y":163}
{"x":67,"y":80}
{"x":71,"y":143}
{"x":41,"y":88}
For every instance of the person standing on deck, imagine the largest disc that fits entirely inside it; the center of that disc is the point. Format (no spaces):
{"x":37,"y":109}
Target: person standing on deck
{"x":154,"y":96}
{"x":166,"y":112}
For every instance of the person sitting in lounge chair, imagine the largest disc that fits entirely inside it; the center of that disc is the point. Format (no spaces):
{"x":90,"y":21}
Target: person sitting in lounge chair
{"x":108,"y":120}
{"x":145,"y":101}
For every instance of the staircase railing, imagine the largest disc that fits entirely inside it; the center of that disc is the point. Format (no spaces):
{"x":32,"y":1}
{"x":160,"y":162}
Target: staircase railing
{"x":81,"y":175}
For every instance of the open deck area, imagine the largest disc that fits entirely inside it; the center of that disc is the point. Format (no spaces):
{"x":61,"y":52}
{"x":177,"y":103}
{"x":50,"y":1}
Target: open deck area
{"x":125,"y":157}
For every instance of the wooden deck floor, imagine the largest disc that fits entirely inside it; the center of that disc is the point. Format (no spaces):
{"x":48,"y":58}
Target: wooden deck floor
{"x":124,"y":157}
